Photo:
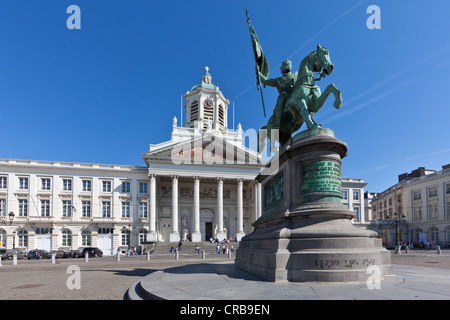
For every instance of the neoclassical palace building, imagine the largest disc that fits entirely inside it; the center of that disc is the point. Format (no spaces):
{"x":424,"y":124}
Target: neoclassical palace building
{"x":196,"y":186}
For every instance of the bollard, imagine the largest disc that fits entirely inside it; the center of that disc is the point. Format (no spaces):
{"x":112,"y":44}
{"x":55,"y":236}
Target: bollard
{"x":176,"y":255}
{"x":407,"y":249}
{"x":53,"y":258}
{"x":438,"y":249}
{"x":0,"y":261}
{"x":229,"y":254}
{"x":203,"y":254}
{"x":148,"y":256}
{"x":86,"y":257}
{"x":397,"y":250}
{"x":117,"y":256}
{"x":15,"y":260}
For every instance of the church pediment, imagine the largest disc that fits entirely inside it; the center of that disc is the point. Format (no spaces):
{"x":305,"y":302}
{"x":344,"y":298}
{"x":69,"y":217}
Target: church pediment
{"x":207,"y":149}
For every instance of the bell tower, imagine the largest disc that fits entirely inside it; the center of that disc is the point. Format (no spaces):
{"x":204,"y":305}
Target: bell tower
{"x":206,"y":106}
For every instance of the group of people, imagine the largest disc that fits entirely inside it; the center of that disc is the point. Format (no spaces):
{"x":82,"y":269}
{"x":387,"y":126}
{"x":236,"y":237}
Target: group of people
{"x":134,"y":251}
{"x":225,"y":248}
{"x":225,"y":240}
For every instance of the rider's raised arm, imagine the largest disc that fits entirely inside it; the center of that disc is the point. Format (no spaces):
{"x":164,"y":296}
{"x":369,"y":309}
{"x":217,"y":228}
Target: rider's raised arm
{"x":267,"y":81}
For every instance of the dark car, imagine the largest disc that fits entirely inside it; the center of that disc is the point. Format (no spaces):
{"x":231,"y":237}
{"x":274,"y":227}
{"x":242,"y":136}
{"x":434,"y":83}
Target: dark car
{"x":78,"y":253}
{"x":93,"y":252}
{"x":38,"y":254}
{"x":68,"y":254}
{"x":4,"y":254}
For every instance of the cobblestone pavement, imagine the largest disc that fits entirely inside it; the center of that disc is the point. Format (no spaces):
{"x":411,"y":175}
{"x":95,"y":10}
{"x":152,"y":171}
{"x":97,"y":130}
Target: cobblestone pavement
{"x":423,"y":258}
{"x":107,"y":279}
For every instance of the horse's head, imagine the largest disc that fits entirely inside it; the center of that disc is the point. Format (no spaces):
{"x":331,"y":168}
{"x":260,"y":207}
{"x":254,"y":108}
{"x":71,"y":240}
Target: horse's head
{"x":322,"y":62}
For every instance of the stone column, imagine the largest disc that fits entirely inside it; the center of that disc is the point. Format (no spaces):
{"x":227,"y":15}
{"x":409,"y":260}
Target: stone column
{"x":220,"y":233}
{"x":196,"y":235}
{"x":152,"y":219}
{"x":174,"y":235}
{"x":240,"y":210}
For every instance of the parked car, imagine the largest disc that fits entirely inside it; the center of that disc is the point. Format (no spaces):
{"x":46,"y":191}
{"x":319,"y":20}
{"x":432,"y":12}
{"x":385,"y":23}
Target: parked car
{"x":78,"y":253}
{"x":4,"y":254}
{"x":93,"y":252}
{"x":42,"y":254}
{"x":57,"y":253}
{"x":19,"y":253}
{"x":68,"y":254}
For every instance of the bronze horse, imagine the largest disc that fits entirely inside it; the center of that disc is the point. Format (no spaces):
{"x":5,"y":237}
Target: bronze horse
{"x":305,"y":99}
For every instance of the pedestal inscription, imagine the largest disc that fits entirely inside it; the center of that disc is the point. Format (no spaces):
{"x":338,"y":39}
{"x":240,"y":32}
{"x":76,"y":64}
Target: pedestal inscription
{"x":321,"y":176}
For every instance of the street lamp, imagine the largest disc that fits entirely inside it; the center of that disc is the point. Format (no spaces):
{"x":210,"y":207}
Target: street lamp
{"x":14,"y":239}
{"x":397,"y":219}
{"x":11,"y":218}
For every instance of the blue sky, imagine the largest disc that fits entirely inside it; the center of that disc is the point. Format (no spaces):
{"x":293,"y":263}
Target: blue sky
{"x":102,"y":94}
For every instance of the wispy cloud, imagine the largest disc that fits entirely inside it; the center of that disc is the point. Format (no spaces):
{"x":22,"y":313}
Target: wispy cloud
{"x":309,"y":40}
{"x":326,"y":27}
{"x":399,"y":161}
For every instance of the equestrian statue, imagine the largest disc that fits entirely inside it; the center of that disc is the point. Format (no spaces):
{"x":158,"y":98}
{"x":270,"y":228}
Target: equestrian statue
{"x":299,"y":97}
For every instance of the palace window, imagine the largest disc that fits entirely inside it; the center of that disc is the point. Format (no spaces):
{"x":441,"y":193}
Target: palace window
{"x":67,"y":184}
{"x":86,"y":185}
{"x":125,"y":209}
{"x":143,"y":187}
{"x":3,"y":182}
{"x":3,"y":207}
{"x":356,"y":211}
{"x":344,"y":195}
{"x":23,"y":183}
{"x":86,"y":208}
{"x":106,"y":186}
{"x":142,"y":209}
{"x":432,"y":191}
{"x":106,"y":209}
{"x":23,"y":238}
{"x":125,"y":237}
{"x":416,"y":195}
{"x":45,"y":183}
{"x":356,"y":195}
{"x":3,"y":238}
{"x":67,"y":208}
{"x":125,"y":187}
{"x":143,"y":236}
{"x":23,"y":207}
{"x":66,"y":238}
{"x":45,"y":208}
{"x":86,"y":238}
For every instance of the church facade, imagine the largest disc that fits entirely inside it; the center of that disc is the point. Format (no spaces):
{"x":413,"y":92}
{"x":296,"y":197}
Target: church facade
{"x":198,"y":185}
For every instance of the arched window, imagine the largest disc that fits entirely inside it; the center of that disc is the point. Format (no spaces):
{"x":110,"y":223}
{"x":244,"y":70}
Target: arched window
{"x":433,"y":233}
{"x":2,"y":238}
{"x":125,"y":233}
{"x":23,"y":238}
{"x":417,"y":233}
{"x":66,"y":238}
{"x":142,"y":236}
{"x":86,"y":238}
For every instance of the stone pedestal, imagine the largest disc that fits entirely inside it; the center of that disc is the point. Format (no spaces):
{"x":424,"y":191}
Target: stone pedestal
{"x":305,"y":234}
